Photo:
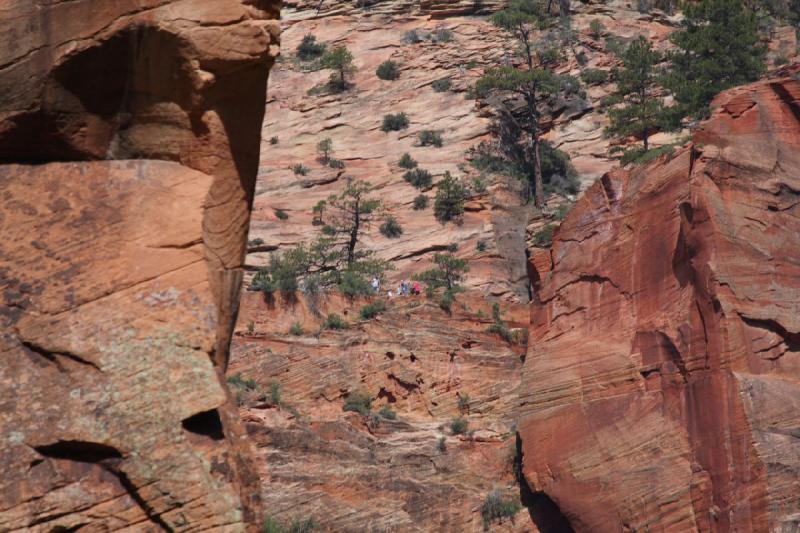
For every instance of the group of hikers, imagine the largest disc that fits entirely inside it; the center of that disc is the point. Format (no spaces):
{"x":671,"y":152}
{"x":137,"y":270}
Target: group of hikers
{"x":405,"y":288}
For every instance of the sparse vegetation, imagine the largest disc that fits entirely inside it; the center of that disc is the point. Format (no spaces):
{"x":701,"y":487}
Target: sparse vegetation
{"x":406,"y":161}
{"x":594,"y":76}
{"x":258,"y":241}
{"x":394,"y":122}
{"x":463,"y":403}
{"x":281,"y":214}
{"x":441,"y":85}
{"x":391,"y":228}
{"x":358,"y":402}
{"x":387,"y":413}
{"x":340,"y":60}
{"x":334,"y":321}
{"x":275,"y":393}
{"x":324,"y":149}
{"x":296,"y":329}
{"x":596,"y":29}
{"x":309,"y":48}
{"x":497,"y":508}
{"x":459,"y":426}
{"x":388,"y":70}
{"x":441,"y":444}
{"x":430,"y":138}
{"x":299,"y":169}
{"x":449,"y":200}
{"x":499,"y":326}
{"x":251,"y":327}
{"x":419,"y":178}
{"x":420,"y":202}
{"x":448,"y":273}
{"x":481,"y":245}
{"x":372,"y":310}
{"x":479,"y":186}
{"x":273,"y":140}
{"x":298,"y":525}
{"x":544,"y":237}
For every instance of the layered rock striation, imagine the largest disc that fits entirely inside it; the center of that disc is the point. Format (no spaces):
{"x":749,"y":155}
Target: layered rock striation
{"x":129,"y":141}
{"x":661,"y":386}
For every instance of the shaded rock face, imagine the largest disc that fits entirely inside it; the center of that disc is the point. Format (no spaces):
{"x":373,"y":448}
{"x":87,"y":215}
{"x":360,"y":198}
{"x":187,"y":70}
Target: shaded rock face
{"x":129,"y":133}
{"x":661,"y":385}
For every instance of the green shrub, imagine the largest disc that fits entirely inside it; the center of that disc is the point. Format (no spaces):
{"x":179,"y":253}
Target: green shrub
{"x":561,"y":211}
{"x":446,"y":301}
{"x":372,"y":310}
{"x":430,"y":138}
{"x":251,"y":327}
{"x":387,"y":413}
{"x":459,"y":426}
{"x":596,"y":29}
{"x":358,"y":402}
{"x":299,"y":169}
{"x":449,"y":201}
{"x":354,"y":284}
{"x":441,"y":444}
{"x":781,"y":60}
{"x":479,"y":186}
{"x":496,"y":508}
{"x":481,"y":245}
{"x":296,"y":329}
{"x":594,"y":76}
{"x":275,"y":393}
{"x":241,"y":383}
{"x":273,"y":140}
{"x":441,"y":85}
{"x":309,"y":48}
{"x":334,"y":321}
{"x":281,"y":214}
{"x":391,"y":228}
{"x":442,"y":35}
{"x":420,"y":202}
{"x":419,"y":178}
{"x":406,"y":161}
{"x":297,"y":525}
{"x":639,"y":156}
{"x":463,"y":403}
{"x":413,"y":37}
{"x":336,"y":163}
{"x":258,"y":241}
{"x":499,"y":327}
{"x":388,"y":70}
{"x":544,"y":237}
{"x":395,"y":122}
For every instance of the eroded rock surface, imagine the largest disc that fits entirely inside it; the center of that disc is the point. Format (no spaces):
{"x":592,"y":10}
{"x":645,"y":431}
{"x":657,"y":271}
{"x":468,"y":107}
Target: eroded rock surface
{"x":129,"y":136}
{"x":662,"y":380}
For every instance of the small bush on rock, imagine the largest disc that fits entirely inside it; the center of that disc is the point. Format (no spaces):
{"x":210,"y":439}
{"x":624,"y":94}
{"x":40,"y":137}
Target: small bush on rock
{"x":394,"y":122}
{"x":459,"y":426}
{"x":391,"y":228}
{"x":420,"y":202}
{"x":309,"y":48}
{"x":430,"y":138}
{"x":334,"y":321}
{"x":358,"y":402}
{"x":441,"y":85}
{"x":388,"y":70}
{"x":419,"y":178}
{"x":406,"y":161}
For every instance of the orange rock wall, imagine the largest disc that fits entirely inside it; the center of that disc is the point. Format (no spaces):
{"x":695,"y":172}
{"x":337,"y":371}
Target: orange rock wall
{"x":129,"y":142}
{"x":661,"y":387}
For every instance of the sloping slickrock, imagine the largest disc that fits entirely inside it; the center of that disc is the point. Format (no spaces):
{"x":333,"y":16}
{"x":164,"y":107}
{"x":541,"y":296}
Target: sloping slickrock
{"x":136,"y":128}
{"x":660,"y":391}
{"x":368,"y":473}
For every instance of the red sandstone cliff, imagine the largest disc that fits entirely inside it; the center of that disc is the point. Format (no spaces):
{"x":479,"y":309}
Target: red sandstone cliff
{"x":661,"y":391}
{"x":135,"y":129}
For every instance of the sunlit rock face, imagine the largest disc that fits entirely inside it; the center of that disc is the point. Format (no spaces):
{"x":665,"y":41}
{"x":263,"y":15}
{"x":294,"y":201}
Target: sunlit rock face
{"x":661,"y":386}
{"x":129,"y":139}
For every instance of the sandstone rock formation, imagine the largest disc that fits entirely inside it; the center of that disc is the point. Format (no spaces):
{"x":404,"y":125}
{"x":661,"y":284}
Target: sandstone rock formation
{"x":369,"y":473}
{"x":661,"y":386}
{"x":129,"y":136}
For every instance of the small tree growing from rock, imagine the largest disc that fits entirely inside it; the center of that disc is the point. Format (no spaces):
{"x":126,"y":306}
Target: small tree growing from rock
{"x":324,"y":149}
{"x":340,"y":60}
{"x":449,"y":200}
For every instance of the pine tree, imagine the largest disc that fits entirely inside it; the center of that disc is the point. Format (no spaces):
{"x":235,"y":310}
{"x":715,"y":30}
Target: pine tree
{"x":719,"y":47}
{"x":641,"y":112}
{"x":535,"y":86}
{"x":449,"y":201}
{"x":340,"y":60}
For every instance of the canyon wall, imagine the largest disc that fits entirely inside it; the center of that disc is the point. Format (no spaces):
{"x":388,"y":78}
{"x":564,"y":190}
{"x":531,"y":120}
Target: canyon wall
{"x":129,"y":142}
{"x":661,"y":387}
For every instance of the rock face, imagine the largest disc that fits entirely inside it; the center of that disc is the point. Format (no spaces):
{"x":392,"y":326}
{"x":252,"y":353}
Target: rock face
{"x":662,"y":381}
{"x":129,"y":135}
{"x":354,"y":472}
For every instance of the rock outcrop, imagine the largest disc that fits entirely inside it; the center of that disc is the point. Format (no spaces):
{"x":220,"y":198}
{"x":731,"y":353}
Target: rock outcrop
{"x":661,"y":386}
{"x":129,"y":141}
{"x":374,"y":472}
